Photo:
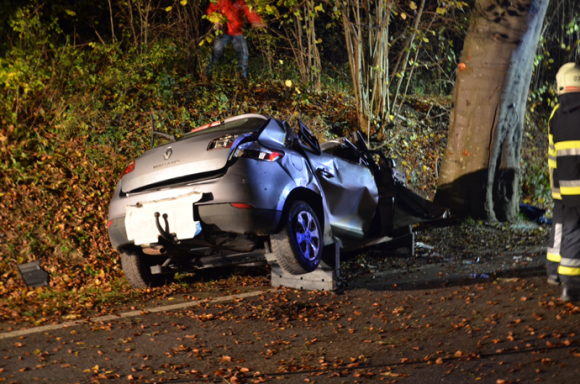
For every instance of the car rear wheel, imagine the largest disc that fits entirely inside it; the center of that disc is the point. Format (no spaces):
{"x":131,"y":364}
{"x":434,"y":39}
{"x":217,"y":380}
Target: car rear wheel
{"x":298,"y":246}
{"x":137,"y":268}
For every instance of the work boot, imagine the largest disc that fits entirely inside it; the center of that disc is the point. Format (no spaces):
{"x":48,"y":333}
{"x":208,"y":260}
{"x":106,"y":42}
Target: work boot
{"x":570,"y":295}
{"x":554,"y":280}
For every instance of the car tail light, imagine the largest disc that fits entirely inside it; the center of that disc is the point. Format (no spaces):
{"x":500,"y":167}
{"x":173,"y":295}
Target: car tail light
{"x":257,"y":152}
{"x":206,"y":126}
{"x":242,"y":206}
{"x":130,"y":168}
{"x":221,"y":142}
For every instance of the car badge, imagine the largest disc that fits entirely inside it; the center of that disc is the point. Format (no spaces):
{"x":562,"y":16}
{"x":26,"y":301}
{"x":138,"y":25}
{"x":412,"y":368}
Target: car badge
{"x":168,"y":154}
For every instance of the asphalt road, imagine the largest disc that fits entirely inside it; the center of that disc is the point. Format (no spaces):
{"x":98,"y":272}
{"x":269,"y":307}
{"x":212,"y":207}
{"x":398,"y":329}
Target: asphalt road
{"x":414,"y":320}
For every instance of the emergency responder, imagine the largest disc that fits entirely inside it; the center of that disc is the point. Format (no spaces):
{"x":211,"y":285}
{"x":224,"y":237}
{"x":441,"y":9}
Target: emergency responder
{"x":565,"y":129}
{"x":233,"y":11}
{"x":553,"y":255}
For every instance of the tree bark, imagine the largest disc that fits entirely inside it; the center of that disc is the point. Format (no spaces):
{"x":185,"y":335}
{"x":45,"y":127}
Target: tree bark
{"x":480,"y":174}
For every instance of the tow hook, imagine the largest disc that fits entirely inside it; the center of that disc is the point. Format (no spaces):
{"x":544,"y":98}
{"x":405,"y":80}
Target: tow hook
{"x":165,"y":232}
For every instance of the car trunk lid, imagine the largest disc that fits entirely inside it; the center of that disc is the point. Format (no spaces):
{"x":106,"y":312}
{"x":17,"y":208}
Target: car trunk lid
{"x":190,"y":157}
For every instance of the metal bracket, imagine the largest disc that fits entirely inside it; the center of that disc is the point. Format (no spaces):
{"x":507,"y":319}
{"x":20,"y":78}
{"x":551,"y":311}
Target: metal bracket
{"x":325,"y":278}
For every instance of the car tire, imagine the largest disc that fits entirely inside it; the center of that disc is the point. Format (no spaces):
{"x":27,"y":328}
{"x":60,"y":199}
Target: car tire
{"x":298,"y":246}
{"x":137,"y":269}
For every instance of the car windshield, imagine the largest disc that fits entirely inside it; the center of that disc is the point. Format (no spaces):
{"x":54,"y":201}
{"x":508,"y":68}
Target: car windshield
{"x":248,"y":124}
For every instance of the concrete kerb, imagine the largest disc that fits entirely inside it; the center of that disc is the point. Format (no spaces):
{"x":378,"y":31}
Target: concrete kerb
{"x":98,"y":319}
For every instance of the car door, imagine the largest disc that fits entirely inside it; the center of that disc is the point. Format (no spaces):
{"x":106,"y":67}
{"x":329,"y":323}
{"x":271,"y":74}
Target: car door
{"x":351,"y":193}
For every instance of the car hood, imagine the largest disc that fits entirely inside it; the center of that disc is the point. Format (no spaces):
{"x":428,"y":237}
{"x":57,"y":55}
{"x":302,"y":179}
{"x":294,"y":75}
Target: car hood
{"x":188,"y":158}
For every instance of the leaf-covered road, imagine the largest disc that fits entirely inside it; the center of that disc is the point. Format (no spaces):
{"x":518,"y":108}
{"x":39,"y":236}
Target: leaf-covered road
{"x":507,"y":329}
{"x":401,"y":319}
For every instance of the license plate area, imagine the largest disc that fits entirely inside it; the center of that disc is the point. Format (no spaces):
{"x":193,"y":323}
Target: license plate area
{"x":141,"y":223}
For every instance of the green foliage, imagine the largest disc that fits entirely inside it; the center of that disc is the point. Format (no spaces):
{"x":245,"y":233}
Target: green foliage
{"x":536,"y":182}
{"x":71,"y":117}
{"x":23,"y":73}
{"x":558,"y":45}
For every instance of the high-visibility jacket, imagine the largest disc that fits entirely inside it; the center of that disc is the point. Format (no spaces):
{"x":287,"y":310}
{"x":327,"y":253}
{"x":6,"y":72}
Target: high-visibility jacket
{"x":565,"y":127}
{"x":553,"y":253}
{"x":234,"y":12}
{"x":552,"y":155}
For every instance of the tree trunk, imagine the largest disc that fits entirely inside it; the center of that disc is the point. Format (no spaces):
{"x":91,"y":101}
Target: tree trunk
{"x":480,"y":174}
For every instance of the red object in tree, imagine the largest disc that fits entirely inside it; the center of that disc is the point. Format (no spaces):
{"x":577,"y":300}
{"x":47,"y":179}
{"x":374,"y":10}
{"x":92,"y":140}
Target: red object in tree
{"x":234,"y":12}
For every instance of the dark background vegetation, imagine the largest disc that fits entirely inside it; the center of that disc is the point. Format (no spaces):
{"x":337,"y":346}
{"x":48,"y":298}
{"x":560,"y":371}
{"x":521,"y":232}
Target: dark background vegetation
{"x":79,"y":79}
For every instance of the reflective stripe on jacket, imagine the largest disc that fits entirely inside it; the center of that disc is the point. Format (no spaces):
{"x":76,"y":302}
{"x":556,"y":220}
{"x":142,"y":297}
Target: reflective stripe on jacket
{"x":567,"y":271}
{"x":553,"y":253}
{"x":565,"y":128}
{"x":552,"y":164}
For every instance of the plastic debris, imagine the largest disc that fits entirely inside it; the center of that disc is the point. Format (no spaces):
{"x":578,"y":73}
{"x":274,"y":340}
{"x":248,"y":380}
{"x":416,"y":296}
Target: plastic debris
{"x":478,"y":276}
{"x":423,"y":245}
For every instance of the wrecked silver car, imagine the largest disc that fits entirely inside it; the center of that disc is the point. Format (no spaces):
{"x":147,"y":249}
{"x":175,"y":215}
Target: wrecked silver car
{"x":232,"y":191}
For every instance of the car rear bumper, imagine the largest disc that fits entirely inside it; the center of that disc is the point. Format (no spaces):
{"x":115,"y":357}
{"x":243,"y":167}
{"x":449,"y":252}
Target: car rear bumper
{"x":220,"y":217}
{"x":117,"y":233}
{"x":246,"y":221}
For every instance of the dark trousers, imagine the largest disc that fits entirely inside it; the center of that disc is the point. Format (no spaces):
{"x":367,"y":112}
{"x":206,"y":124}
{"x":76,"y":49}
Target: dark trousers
{"x":240,"y":46}
{"x":569,"y":269}
{"x":553,"y":255}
